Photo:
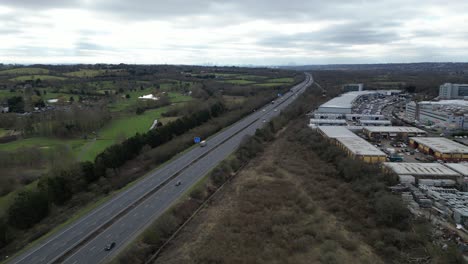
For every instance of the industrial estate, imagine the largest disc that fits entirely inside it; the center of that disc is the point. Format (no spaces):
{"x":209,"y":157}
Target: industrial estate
{"x":423,"y":142}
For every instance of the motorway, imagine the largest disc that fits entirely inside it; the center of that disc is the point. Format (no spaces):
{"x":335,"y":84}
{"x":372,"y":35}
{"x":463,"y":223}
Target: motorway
{"x":127,"y":214}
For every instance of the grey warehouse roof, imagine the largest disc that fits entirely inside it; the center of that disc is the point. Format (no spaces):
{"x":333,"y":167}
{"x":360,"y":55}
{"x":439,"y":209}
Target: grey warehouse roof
{"x":336,"y":131}
{"x":394,"y":129}
{"x":360,"y":146}
{"x":428,"y":169}
{"x":461,"y":168}
{"x":442,"y":145}
{"x":345,"y":100}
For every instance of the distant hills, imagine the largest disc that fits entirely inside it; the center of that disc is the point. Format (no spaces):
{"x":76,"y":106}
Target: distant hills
{"x":424,"y":66}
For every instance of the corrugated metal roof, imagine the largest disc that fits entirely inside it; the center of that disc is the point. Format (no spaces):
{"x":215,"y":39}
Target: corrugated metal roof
{"x":336,"y":131}
{"x":429,"y":169}
{"x":461,"y":168}
{"x":345,"y":100}
{"x":442,"y":145}
{"x":393,"y":129}
{"x":360,"y":146}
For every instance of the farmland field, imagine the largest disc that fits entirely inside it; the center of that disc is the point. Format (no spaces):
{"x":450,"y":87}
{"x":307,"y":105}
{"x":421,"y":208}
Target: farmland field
{"x":83,"y":73}
{"x":24,"y":71}
{"x":119,"y":129}
{"x":269,"y":84}
{"x":35,"y":77}
{"x":281,"y":80}
{"x":239,"y":81}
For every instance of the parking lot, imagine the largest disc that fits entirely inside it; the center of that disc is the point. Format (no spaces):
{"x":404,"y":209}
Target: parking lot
{"x":374,"y":105}
{"x":400,"y":148}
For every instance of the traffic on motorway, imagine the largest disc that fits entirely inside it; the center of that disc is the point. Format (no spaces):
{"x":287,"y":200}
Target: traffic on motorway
{"x":102,"y":232}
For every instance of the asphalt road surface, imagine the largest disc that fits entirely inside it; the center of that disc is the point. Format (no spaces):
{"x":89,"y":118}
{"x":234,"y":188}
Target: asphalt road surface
{"x":127,"y":214}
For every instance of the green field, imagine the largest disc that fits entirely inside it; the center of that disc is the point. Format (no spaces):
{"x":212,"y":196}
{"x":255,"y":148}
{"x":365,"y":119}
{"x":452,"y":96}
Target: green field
{"x":104,"y":85}
{"x":120,"y":128}
{"x":82,"y":73}
{"x":35,"y":77}
{"x":25,"y":71}
{"x":125,"y":103}
{"x":178,"y":97}
{"x":239,"y":81}
{"x":7,"y":94}
{"x":42,"y":142}
{"x":281,"y":80}
{"x":269,"y":84}
{"x":3,"y":132}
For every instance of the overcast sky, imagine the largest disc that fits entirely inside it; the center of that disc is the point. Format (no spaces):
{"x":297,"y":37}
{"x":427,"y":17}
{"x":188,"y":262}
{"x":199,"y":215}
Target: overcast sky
{"x":260,"y":32}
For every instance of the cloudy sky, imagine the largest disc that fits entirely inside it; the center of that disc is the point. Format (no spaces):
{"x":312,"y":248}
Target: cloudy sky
{"x":260,"y":32}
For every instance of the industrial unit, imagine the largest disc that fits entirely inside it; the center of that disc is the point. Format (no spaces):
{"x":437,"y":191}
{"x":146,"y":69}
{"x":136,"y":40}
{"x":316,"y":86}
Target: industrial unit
{"x":377,"y":132}
{"x":359,"y":148}
{"x":352,"y":144}
{"x":441,"y":148}
{"x":342,"y":104}
{"x":333,"y":132}
{"x":375,"y":122}
{"x":434,"y":171}
{"x":324,"y":122}
{"x":461,"y":168}
{"x":355,"y":117}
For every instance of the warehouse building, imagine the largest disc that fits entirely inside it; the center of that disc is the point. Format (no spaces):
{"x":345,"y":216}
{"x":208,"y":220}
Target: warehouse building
{"x":355,"y":117}
{"x":441,"y":148}
{"x":461,"y":168}
{"x":378,"y":132}
{"x":342,"y":104}
{"x":327,"y":122}
{"x":375,"y":122}
{"x":328,"y":116}
{"x":333,"y":132}
{"x":359,"y":148}
{"x":420,"y":171}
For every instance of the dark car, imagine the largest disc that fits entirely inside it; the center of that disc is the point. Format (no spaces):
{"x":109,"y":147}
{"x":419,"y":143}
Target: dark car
{"x":109,"y":246}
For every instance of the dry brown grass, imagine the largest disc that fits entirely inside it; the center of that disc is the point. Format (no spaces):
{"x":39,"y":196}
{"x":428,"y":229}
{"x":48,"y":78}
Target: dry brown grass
{"x":275,"y":211}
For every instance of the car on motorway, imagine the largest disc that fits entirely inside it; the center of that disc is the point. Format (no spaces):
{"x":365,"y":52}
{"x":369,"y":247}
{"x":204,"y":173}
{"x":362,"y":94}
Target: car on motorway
{"x":276,"y":110}
{"x":178,"y":183}
{"x":109,"y":246}
{"x":264,"y":120}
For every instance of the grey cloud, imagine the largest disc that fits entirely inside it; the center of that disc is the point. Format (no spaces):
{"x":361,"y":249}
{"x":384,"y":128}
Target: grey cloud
{"x":84,"y":45}
{"x":356,"y":33}
{"x":40,"y":4}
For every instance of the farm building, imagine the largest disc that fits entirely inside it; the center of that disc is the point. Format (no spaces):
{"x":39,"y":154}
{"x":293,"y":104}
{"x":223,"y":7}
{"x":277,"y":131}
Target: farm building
{"x":377,"y":132}
{"x":441,"y":148}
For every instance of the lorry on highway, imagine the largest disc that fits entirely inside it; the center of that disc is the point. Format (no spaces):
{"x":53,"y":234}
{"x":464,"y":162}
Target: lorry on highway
{"x":203,"y":143}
